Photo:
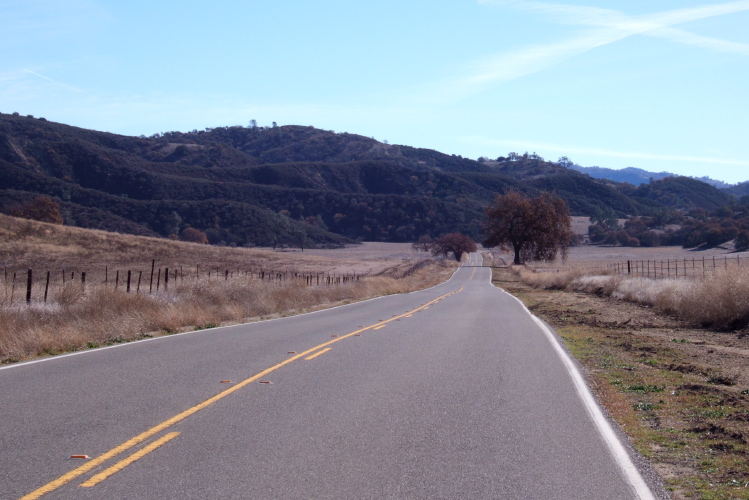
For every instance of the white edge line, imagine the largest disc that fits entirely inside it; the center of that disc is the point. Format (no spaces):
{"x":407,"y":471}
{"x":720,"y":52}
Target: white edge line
{"x":615,"y":446}
{"x":210,"y":330}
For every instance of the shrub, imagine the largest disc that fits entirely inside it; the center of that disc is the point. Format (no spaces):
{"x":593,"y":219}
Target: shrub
{"x":193,"y":235}
{"x":742,"y":241}
{"x":42,"y":209}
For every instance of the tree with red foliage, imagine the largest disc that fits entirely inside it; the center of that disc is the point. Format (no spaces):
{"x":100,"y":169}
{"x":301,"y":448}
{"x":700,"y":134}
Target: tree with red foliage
{"x":193,"y":236}
{"x":533,"y":228}
{"x":453,"y":243}
{"x":43,"y":209}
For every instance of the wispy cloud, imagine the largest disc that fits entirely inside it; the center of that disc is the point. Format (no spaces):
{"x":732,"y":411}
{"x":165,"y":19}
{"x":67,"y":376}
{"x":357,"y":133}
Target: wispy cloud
{"x":656,"y":25}
{"x":53,"y":81}
{"x":603,"y":27}
{"x":686,"y":38}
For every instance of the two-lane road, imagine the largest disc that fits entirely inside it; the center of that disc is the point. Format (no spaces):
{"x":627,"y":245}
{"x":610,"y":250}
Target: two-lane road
{"x":451,"y":392}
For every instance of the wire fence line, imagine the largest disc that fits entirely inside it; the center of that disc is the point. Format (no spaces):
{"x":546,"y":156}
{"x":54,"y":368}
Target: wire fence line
{"x":29,"y":285}
{"x":676,"y":268}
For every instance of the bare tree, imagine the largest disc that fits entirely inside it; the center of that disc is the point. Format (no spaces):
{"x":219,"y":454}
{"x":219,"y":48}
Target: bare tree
{"x":423,"y":244}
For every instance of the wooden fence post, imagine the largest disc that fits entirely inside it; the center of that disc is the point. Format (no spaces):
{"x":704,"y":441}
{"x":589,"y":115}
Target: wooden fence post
{"x":128,"y":281}
{"x":117,"y":279}
{"x":46,"y":288}
{"x":150,"y":286}
{"x":28,"y":287}
{"x":140,"y":275}
{"x":166,"y":278}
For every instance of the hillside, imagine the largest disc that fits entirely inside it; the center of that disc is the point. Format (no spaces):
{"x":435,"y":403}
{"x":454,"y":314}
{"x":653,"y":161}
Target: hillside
{"x":638,"y":176}
{"x":288,"y":185}
{"x":741,"y":189}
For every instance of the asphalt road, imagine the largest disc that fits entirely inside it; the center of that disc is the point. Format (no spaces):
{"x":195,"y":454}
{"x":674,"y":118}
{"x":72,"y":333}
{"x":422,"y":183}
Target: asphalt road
{"x":451,"y":392}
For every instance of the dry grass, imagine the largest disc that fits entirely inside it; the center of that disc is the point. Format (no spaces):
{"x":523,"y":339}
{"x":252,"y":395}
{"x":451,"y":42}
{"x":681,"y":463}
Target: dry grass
{"x":550,"y":280}
{"x":719,"y":300}
{"x":73,"y":320}
{"x":74,"y":317}
{"x":26,"y":244}
{"x":588,"y":256}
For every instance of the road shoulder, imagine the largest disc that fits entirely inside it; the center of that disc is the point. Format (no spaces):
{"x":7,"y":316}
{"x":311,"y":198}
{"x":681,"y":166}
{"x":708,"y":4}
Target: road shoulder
{"x":660,"y":381}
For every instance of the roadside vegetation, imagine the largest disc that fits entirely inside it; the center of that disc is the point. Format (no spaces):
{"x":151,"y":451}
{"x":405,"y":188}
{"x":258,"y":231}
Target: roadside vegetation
{"x":75,"y":319}
{"x":667,"y":358}
{"x":77,"y":316}
{"x":719,"y":300}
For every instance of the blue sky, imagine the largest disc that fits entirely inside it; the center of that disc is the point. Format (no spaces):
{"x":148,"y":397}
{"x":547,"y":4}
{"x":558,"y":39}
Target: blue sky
{"x":657,"y":84}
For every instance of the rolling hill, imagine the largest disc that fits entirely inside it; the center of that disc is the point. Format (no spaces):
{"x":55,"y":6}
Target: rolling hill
{"x":288,"y":185}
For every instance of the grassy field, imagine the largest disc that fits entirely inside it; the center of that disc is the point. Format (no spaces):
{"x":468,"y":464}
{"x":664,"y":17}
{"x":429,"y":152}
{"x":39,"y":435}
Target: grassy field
{"x":28,"y":244}
{"x":678,"y":389}
{"x":261,"y":283}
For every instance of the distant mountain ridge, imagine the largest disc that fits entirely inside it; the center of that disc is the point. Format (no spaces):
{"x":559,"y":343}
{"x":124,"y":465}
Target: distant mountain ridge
{"x":637,"y":176}
{"x":292,"y":184}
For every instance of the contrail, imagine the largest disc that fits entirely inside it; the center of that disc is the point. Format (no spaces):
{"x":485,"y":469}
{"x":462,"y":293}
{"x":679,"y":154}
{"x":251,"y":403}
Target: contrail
{"x":607,"y":26}
{"x":51,"y":80}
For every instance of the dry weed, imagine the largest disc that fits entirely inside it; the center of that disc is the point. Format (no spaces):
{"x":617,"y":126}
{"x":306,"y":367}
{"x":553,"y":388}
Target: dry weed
{"x":75,"y":318}
{"x":719,"y":300}
{"x":550,"y":280}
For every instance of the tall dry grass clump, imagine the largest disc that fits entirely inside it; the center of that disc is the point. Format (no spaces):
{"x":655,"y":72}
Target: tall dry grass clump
{"x":719,"y":300}
{"x":76,"y":318}
{"x":549,"y":280}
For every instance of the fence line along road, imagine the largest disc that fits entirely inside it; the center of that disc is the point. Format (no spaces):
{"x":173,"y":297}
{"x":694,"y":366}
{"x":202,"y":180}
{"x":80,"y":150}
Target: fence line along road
{"x":37,"y":286}
{"x":676,"y":268}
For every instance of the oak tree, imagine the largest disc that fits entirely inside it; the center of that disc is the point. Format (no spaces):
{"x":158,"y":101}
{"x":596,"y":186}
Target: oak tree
{"x":42,"y":208}
{"x":453,"y":243}
{"x":533,"y":228}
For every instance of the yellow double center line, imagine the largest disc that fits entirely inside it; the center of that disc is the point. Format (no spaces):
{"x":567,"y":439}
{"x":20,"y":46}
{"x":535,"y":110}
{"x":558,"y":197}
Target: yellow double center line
{"x":88,"y":466}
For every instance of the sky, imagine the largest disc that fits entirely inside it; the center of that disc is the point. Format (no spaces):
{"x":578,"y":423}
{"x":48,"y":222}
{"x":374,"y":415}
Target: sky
{"x":659,"y":85}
